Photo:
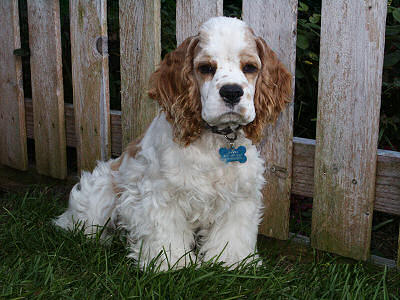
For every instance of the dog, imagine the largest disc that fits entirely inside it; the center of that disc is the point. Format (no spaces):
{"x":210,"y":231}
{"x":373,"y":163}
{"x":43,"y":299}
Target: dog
{"x":195,"y":179}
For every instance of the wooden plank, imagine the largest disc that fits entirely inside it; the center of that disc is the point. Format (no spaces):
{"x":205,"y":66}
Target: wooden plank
{"x":276,"y":22}
{"x":351,"y":59}
{"x":13,"y":151}
{"x":387,"y":191}
{"x":116,"y":130}
{"x":190,"y":14}
{"x":89,"y":55}
{"x":140,"y":36}
{"x":47,"y":87}
{"x":303,"y":167}
{"x":387,"y":185}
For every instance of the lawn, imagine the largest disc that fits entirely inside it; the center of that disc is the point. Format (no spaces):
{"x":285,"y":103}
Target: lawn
{"x":39,"y":261}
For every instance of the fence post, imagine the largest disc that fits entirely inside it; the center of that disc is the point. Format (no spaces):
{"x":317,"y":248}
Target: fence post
{"x":351,"y":59}
{"x":140,"y":35}
{"x":190,"y":14}
{"x":13,"y":151}
{"x":280,"y":17}
{"x":89,"y":54}
{"x":47,"y":87}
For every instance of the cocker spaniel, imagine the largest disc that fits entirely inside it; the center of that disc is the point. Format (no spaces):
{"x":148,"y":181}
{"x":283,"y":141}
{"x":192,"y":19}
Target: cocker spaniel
{"x":194,"y":180}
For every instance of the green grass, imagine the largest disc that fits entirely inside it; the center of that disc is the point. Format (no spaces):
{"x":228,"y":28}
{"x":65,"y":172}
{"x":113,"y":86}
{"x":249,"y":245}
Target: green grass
{"x":39,"y":261}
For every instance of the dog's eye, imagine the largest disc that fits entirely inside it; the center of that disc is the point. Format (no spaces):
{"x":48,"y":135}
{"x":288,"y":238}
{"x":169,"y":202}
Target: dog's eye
{"x":249,"y":68}
{"x":207,"y":69}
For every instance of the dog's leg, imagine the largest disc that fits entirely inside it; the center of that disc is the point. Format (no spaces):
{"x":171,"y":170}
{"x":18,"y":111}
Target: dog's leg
{"x":91,"y":201}
{"x":157,"y":231}
{"x":233,"y":237}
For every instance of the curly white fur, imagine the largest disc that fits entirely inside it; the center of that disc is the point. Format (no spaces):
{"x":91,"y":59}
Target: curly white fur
{"x":170,"y":194}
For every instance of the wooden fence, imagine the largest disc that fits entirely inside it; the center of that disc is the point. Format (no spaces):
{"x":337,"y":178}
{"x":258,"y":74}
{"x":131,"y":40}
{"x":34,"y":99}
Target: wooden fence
{"x":342,"y":169}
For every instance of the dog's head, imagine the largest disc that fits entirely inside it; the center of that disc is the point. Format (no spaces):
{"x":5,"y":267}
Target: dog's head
{"x":224,"y":77}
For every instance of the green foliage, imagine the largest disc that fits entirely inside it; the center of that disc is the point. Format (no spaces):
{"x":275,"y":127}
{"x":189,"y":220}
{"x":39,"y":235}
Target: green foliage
{"x":389,"y":135}
{"x":168,"y":26}
{"x":307,"y":62}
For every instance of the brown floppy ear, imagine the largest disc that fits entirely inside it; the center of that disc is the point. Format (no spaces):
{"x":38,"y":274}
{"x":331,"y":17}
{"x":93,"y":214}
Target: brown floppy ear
{"x":273,"y":91}
{"x":174,"y":87}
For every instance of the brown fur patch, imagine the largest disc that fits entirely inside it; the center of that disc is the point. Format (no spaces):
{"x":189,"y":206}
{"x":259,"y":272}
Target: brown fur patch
{"x":247,"y":57}
{"x":131,"y":150}
{"x":174,"y":87}
{"x":273,"y":91}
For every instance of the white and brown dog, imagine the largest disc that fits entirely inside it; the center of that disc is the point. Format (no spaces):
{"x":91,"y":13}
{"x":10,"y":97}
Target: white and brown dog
{"x":188,"y":183}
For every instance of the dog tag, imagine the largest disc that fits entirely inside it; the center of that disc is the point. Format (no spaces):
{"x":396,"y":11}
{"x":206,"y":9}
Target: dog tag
{"x":232,"y":154}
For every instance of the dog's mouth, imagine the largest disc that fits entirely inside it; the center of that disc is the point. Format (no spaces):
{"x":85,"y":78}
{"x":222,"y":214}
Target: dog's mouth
{"x":228,"y":120}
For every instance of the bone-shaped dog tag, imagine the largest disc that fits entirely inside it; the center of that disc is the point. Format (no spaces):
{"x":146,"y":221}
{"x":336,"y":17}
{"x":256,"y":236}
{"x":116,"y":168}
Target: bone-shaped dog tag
{"x":232,"y":154}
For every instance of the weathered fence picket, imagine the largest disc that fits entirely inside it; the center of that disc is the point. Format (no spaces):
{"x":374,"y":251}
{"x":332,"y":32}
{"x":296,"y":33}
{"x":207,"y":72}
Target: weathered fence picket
{"x":351,"y":62}
{"x":191,"y":14}
{"x":347,"y":174}
{"x":47,"y":87}
{"x":276,"y":22}
{"x":140,"y":35}
{"x":13,"y":150}
{"x":89,"y":54}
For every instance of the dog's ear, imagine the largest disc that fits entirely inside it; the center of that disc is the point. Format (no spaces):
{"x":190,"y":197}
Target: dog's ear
{"x":174,"y":87}
{"x":273,"y":91}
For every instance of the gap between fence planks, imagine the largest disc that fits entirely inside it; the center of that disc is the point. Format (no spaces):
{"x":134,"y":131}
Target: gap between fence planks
{"x":351,"y":61}
{"x":388,"y":167}
{"x":89,"y":55}
{"x":275,"y":22}
{"x":140,"y":36}
{"x":13,"y":150}
{"x":191,"y":14}
{"x":47,"y":87}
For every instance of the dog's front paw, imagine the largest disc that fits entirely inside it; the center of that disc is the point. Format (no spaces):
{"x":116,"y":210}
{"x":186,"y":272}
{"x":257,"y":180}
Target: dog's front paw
{"x":164,"y":260}
{"x":229,"y":257}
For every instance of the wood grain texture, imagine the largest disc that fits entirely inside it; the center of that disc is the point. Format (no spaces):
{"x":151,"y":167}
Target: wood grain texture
{"x":140,"y":36}
{"x":387,"y":185}
{"x":350,"y":78}
{"x":13,"y":151}
{"x":276,"y":22}
{"x":47,"y":87}
{"x":89,"y":53}
{"x":303,"y":167}
{"x":190,"y":14}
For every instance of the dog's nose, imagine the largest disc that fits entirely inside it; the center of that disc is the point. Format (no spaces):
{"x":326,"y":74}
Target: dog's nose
{"x":231,"y":93}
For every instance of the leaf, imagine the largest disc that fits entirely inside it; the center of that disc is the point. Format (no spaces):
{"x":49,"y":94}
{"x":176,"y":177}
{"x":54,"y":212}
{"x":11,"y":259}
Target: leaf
{"x":315,"y":18}
{"x":303,"y":7}
{"x":391,"y":59}
{"x":392,"y":30}
{"x":313,"y":56}
{"x":315,"y":26}
{"x":380,"y":225}
{"x":396,"y":14}
{"x":302,"y":42}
